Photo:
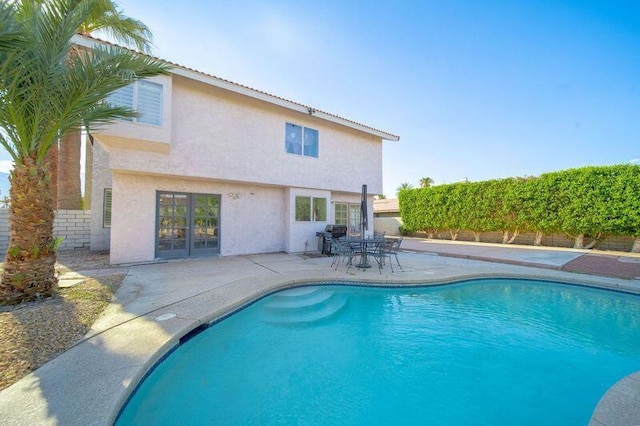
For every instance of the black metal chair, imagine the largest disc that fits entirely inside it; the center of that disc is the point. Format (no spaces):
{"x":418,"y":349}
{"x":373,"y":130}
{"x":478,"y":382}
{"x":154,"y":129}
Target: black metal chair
{"x":378,"y":252}
{"x":342,"y":250}
{"x":392,"y":245}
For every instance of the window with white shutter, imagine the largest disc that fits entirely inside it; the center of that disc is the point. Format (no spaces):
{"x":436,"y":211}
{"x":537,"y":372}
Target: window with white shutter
{"x":149,"y":103}
{"x":144,"y":97}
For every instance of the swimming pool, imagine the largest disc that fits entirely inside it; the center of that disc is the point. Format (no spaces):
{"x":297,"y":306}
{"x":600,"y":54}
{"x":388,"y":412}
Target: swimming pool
{"x":478,"y":352}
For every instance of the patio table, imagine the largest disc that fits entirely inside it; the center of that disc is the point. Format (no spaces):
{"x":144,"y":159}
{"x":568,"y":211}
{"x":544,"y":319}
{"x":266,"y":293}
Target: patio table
{"x":364,"y":245}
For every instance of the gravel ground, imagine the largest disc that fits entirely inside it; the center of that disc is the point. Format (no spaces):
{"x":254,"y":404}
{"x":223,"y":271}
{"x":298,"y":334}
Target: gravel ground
{"x":33,"y":333}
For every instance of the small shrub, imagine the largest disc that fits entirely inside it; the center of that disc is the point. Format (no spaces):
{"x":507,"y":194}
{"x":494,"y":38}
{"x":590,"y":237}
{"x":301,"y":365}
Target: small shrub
{"x":404,"y":231}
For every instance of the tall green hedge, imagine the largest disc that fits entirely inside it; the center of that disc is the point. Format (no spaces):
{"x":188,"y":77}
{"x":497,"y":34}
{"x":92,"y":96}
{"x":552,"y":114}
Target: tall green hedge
{"x":589,"y":201}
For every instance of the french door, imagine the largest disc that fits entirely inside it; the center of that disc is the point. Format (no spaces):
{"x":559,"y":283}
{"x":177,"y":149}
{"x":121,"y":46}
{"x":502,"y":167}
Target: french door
{"x":354,"y":220}
{"x":187,"y":224}
{"x":348,"y":214}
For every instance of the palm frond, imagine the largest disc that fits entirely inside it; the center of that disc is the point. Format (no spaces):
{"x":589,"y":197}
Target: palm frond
{"x":106,"y":17}
{"x":10,"y":33}
{"x":45,"y":92}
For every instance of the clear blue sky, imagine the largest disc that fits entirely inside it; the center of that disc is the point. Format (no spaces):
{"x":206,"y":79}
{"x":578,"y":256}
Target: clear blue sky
{"x":475,"y":89}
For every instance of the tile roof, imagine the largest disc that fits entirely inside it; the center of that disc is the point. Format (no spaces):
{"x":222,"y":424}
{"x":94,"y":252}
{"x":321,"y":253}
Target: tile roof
{"x":386,"y":205}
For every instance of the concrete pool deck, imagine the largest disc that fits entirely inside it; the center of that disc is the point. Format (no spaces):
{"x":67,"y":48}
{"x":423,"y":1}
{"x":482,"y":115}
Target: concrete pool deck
{"x":160,"y":303}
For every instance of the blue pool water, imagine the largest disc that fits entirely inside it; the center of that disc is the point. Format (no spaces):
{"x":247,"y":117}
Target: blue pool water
{"x":481,"y":352}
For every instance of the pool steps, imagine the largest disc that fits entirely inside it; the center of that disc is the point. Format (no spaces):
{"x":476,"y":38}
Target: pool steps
{"x":303,"y":305}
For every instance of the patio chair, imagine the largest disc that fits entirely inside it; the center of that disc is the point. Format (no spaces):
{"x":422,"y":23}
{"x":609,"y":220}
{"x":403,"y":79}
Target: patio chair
{"x":378,"y":252}
{"x":392,"y":245}
{"x":342,"y":251}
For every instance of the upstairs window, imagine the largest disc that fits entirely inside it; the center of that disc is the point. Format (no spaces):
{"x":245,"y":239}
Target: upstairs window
{"x":144,"y":97}
{"x":301,"y":140}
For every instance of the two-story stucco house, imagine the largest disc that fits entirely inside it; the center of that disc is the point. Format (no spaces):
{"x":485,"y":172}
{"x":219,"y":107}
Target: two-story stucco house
{"x":213,"y":167}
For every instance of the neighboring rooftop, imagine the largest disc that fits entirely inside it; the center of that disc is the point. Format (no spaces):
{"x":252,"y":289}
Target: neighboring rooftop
{"x":386,"y":206}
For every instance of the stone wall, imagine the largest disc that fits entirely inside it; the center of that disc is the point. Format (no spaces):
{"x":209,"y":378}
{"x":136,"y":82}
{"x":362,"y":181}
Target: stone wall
{"x":74,"y":226}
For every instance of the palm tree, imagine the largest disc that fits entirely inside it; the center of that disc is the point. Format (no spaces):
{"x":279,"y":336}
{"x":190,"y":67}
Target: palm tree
{"x":105,"y":17}
{"x":45,"y":93}
{"x":426,"y":182}
{"x":403,"y":187}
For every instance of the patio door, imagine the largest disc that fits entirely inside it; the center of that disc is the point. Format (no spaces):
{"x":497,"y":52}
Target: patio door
{"x":187,"y":224}
{"x":354,"y":220}
{"x":348,"y":214}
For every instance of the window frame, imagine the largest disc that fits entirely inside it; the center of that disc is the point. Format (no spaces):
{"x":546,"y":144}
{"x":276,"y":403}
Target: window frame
{"x":313,"y":210}
{"x":318,"y":208}
{"x":304,"y":132}
{"x":301,"y":215}
{"x":344,"y":216}
{"x":135,"y":102}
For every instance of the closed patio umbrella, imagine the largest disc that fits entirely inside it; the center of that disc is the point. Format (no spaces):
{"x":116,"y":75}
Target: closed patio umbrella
{"x":364,"y":217}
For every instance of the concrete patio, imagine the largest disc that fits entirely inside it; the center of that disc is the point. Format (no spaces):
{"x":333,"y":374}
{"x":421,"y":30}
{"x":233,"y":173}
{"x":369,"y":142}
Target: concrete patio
{"x":160,"y":303}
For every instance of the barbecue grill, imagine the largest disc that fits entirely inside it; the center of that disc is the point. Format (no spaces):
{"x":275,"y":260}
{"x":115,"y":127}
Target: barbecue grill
{"x":324,"y":238}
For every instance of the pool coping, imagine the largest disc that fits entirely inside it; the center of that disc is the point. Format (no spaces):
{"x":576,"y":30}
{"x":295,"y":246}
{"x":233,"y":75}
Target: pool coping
{"x":115,"y":356}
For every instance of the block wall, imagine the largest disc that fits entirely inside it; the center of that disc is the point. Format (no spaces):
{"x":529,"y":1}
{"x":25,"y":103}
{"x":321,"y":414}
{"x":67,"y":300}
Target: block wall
{"x":387,"y":225}
{"x":607,"y":242}
{"x":74,"y":226}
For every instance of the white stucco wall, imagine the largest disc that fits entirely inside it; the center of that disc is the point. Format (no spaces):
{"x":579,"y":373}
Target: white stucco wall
{"x":101,"y":179}
{"x":251,"y":223}
{"x":260,"y":220}
{"x":216,"y":142}
{"x":219,"y":135}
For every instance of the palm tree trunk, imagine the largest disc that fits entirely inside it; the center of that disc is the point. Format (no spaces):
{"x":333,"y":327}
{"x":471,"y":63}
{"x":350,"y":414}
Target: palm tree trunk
{"x":29,"y":272}
{"x":69,"y":190}
{"x":88,"y":174}
{"x":52,"y":159}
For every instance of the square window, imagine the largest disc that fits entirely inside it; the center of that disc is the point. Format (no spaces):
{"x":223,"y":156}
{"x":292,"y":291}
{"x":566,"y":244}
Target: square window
{"x":123,"y":97}
{"x":149,"y":105}
{"x":293,"y":139}
{"x":301,"y":140}
{"x":320,"y":209}
{"x":303,"y":209}
{"x":310,"y":142}
{"x":143,"y":97}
